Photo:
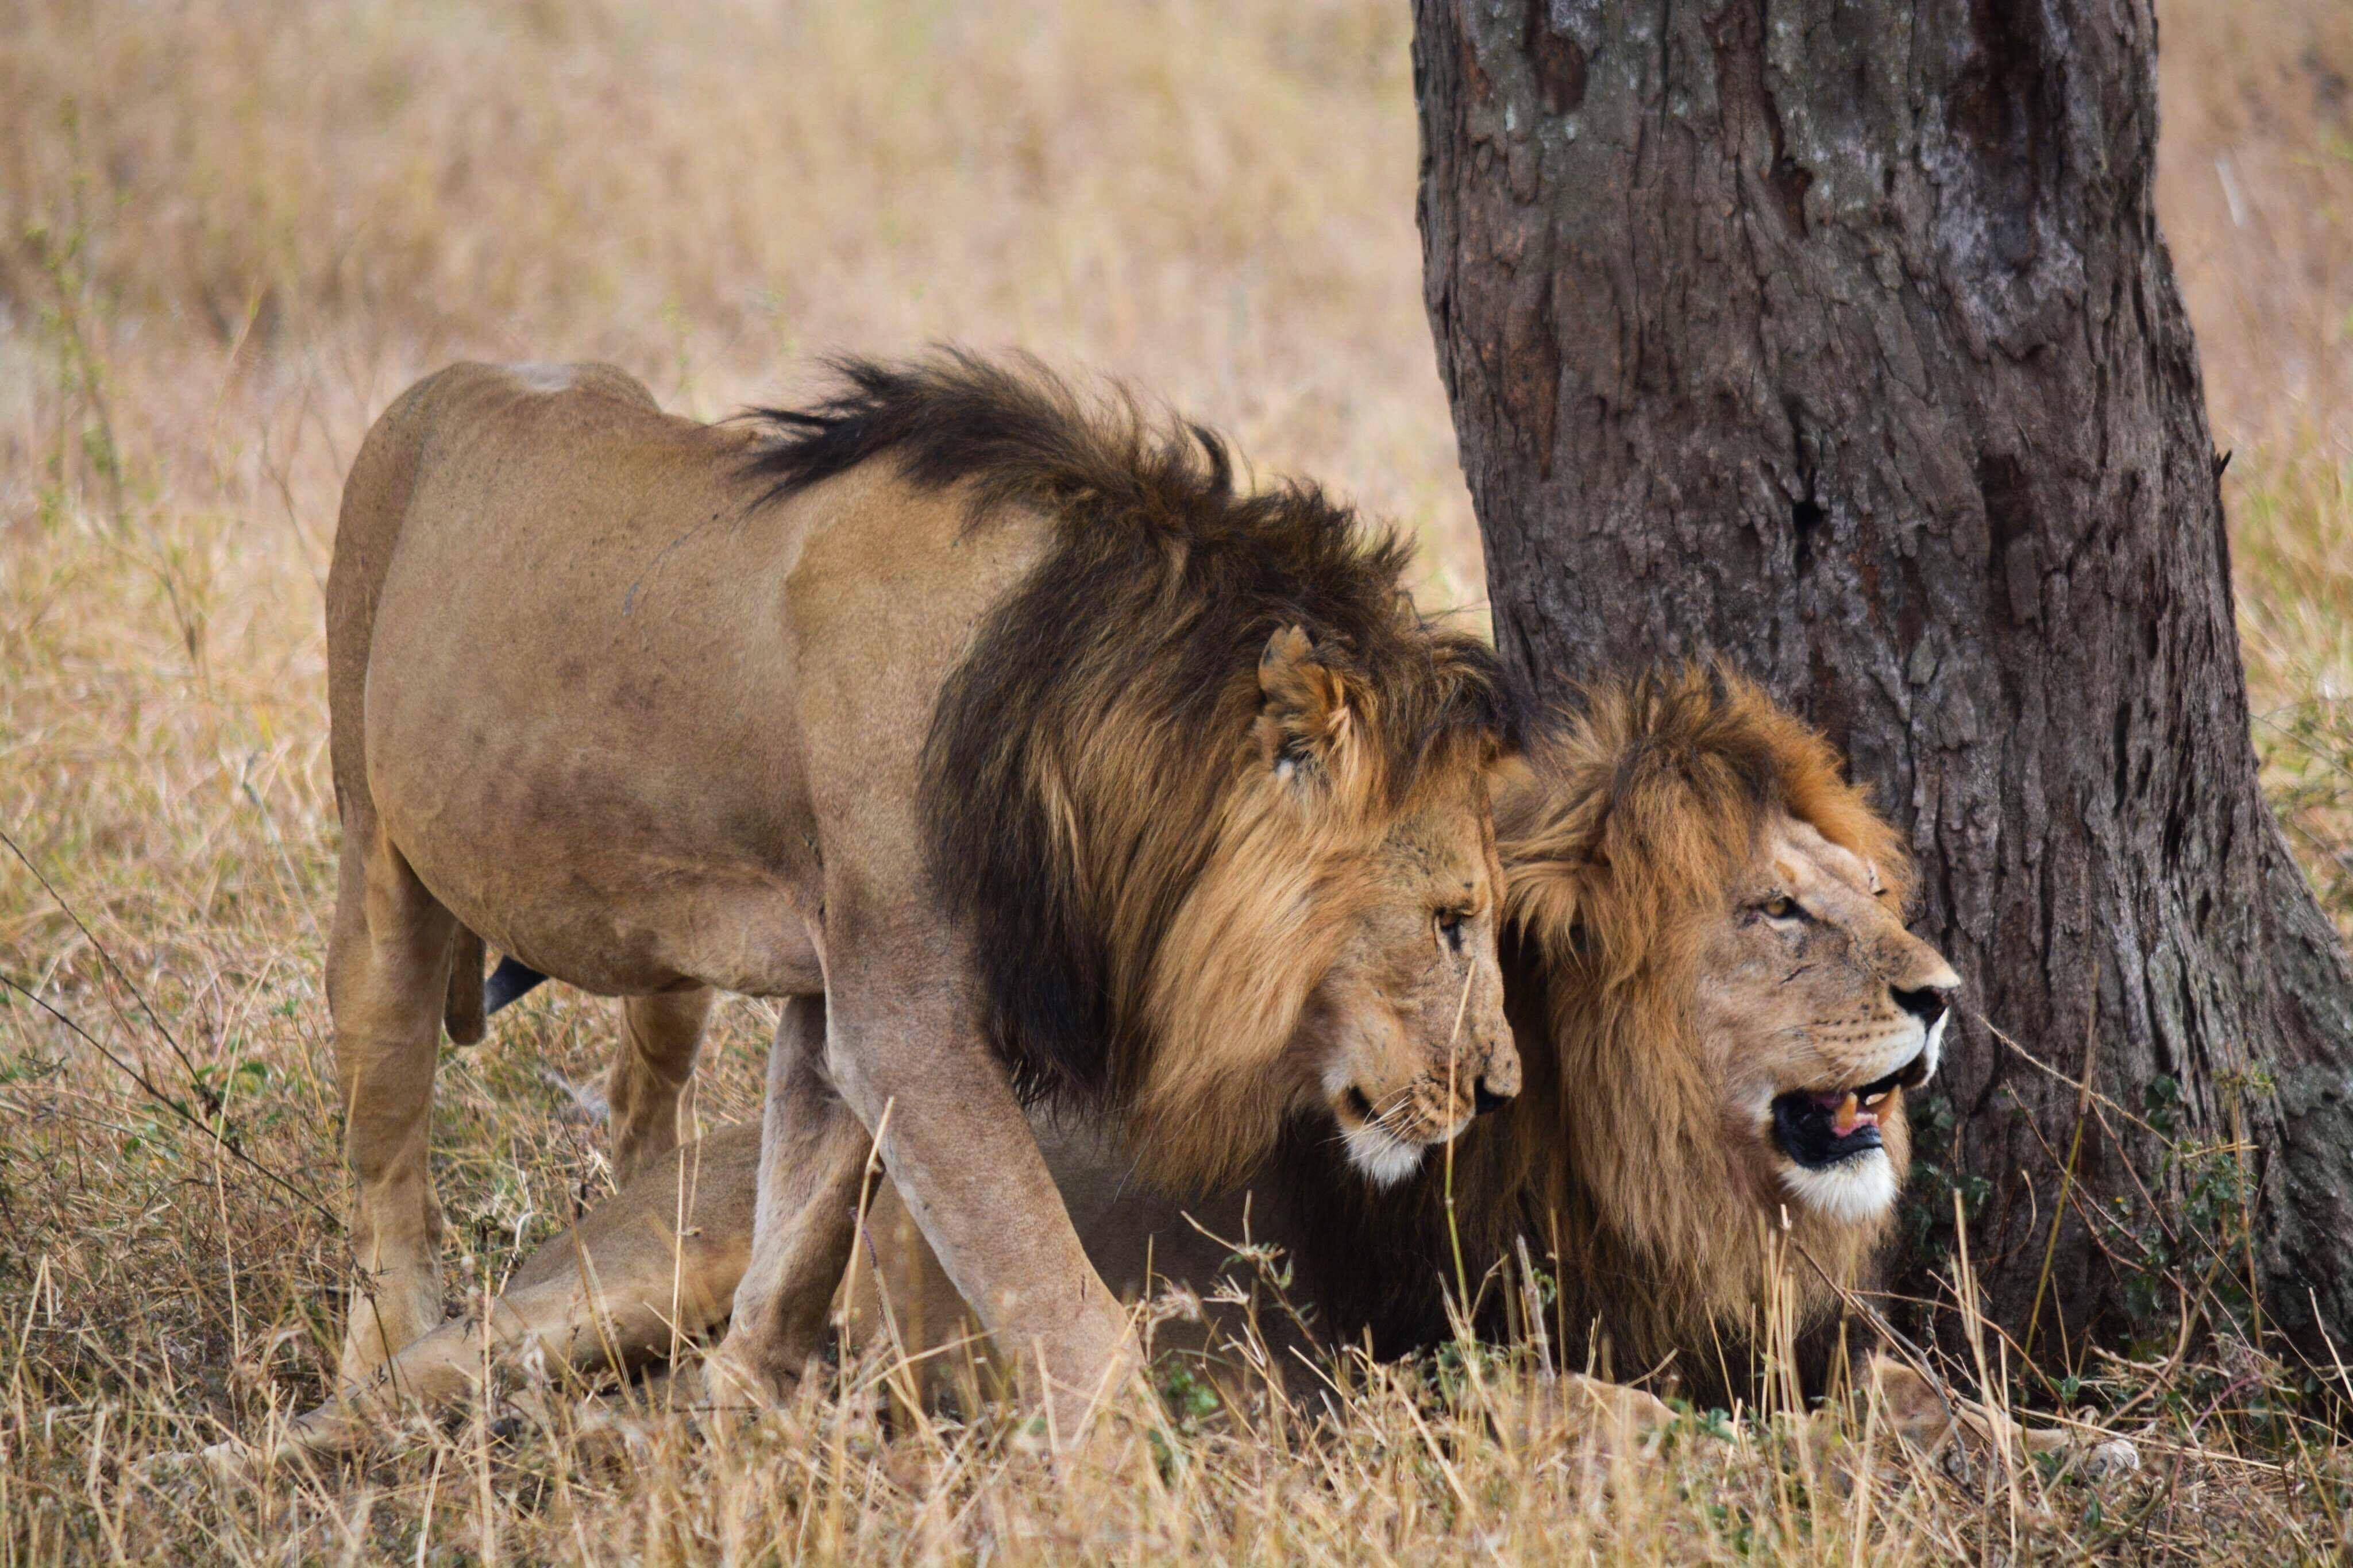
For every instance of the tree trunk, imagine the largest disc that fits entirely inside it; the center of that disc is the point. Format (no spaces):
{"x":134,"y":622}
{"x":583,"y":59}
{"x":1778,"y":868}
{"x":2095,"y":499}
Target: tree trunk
{"x":1838,"y":336}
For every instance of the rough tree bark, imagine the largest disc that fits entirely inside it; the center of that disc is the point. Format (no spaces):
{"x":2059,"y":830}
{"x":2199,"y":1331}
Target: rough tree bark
{"x":1839,"y":335}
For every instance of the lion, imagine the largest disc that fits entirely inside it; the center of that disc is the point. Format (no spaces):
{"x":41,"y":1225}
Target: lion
{"x":995,"y":731}
{"x":1719,"y":1013}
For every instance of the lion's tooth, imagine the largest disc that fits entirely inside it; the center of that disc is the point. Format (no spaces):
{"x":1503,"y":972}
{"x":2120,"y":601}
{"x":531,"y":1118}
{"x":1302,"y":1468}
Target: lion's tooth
{"x":1843,"y":1119}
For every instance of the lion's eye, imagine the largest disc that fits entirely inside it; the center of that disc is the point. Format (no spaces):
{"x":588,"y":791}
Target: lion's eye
{"x":1450,"y":926}
{"x":1779,"y":906}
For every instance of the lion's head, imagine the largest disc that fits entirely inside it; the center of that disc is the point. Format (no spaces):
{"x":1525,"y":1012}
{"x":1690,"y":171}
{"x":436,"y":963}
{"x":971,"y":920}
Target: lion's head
{"x":1209,"y":798}
{"x":1403,"y":1038}
{"x":1335,"y":953}
{"x":1733,"y":1007}
{"x":1718,"y":1011}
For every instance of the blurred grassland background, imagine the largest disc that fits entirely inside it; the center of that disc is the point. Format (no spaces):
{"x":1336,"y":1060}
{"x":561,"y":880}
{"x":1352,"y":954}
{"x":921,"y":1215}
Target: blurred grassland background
{"x":230,"y":232}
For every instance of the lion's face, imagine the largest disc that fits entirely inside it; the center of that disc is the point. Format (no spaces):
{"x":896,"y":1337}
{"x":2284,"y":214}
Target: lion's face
{"x":1816,"y":1010}
{"x":1406,"y":1032}
{"x":1334,"y":953}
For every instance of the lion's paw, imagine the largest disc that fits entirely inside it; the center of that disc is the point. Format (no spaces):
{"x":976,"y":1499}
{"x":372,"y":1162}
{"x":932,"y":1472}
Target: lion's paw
{"x":1600,"y":1418}
{"x":2107,"y":1460}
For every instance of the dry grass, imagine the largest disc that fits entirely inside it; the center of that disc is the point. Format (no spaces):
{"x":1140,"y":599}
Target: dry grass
{"x":228,"y":232}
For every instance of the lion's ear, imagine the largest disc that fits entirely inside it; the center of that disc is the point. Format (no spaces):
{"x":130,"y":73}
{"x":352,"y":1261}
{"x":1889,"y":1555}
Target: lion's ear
{"x":1304,"y":719}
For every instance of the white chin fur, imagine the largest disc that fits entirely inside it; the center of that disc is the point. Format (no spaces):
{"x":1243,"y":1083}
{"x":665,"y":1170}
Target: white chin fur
{"x":1849,"y":1193}
{"x":1384,"y":1160}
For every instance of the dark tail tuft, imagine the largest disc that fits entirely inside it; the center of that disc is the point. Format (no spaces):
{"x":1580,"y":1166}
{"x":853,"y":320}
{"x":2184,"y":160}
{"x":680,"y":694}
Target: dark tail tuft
{"x":507,"y":981}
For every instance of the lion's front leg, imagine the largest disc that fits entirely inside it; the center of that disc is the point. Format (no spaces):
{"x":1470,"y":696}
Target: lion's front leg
{"x":1594,"y":1418}
{"x":968,"y":1168}
{"x":1964,"y":1433}
{"x":651,"y":1085}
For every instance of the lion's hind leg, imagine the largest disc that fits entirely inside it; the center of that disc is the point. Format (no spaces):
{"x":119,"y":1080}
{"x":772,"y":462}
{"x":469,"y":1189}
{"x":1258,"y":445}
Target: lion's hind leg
{"x":653,"y":1076}
{"x":387,"y":981}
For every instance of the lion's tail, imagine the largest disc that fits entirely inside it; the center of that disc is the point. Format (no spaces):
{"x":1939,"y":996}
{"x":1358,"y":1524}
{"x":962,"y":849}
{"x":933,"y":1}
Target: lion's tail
{"x":473,"y":999}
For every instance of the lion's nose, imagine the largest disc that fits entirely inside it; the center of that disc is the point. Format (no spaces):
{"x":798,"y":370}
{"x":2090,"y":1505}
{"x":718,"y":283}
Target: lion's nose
{"x":1491,"y":1092}
{"x":1926,"y":1004}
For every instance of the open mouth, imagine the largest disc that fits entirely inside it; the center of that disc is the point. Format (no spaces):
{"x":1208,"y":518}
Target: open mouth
{"x":1822,"y":1129}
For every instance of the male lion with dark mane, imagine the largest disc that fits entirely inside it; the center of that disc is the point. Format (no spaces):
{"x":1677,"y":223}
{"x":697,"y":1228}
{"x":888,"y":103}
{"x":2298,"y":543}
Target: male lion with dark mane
{"x":1002,"y":737}
{"x":1718,"y":1011}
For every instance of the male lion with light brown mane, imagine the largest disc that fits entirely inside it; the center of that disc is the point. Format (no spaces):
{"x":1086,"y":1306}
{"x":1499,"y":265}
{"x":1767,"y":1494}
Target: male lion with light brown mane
{"x":1718,"y":1012}
{"x":1001,"y":736}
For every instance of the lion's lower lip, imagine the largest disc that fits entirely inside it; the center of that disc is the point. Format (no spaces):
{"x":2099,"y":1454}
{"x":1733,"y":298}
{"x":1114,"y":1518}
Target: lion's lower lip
{"x":1803,"y":1130}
